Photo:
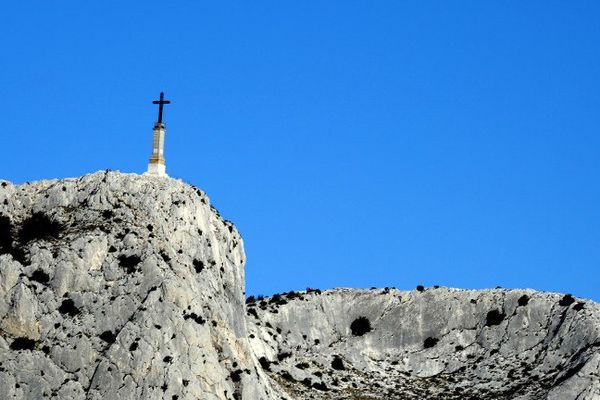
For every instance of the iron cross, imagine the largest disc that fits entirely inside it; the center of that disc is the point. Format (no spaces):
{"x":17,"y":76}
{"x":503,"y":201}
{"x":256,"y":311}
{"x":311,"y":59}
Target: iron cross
{"x":161,"y":103}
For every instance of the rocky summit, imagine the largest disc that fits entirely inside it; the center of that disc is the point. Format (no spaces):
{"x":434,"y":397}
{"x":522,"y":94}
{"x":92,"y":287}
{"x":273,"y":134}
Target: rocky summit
{"x":121,"y":286}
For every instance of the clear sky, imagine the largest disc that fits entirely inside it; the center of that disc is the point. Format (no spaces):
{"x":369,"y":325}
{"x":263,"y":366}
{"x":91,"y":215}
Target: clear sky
{"x":353,"y":143}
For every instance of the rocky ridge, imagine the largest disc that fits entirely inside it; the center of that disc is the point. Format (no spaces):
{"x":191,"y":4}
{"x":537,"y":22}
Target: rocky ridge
{"x":434,"y":343}
{"x":120,"y":286}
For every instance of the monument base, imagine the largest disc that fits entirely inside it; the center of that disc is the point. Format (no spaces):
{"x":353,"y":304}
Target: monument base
{"x":157,"y":169}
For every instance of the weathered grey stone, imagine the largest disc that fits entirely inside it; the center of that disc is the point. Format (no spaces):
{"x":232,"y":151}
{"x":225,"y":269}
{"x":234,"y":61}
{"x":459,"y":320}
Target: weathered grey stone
{"x":437,"y":344}
{"x":120,"y":286}
{"x":137,"y":294}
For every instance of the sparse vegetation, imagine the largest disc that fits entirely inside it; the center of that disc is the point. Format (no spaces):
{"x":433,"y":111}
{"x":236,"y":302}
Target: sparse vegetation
{"x":566,"y":301}
{"x":39,"y":226}
{"x":337,"y":363}
{"x":494,"y":317}
{"x":68,"y":308}
{"x":523,"y":300}
{"x":23,"y":343}
{"x":360,"y":326}
{"x":430,"y":342}
{"x":129,"y":263}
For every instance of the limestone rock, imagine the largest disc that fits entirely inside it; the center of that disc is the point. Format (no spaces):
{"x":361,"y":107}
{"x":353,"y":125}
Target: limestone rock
{"x":120,"y":286}
{"x":437,"y":343}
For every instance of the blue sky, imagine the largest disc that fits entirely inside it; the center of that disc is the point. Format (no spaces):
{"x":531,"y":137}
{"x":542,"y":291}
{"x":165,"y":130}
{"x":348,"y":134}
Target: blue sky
{"x":353,"y":143}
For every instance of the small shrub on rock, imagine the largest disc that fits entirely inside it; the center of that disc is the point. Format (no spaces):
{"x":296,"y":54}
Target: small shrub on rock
{"x":523,"y":300}
{"x":494,"y":317}
{"x":566,"y":301}
{"x":195,"y":317}
{"x":236,"y":375}
{"x":68,"y":308}
{"x":129,"y":263}
{"x":39,"y":226}
{"x":264,"y":363}
{"x":430,"y":342}
{"x":287,"y":376}
{"x":108,"y":337}
{"x":320,"y":386}
{"x":360,"y":326}
{"x":22,"y":343}
{"x":40,"y":276}
{"x":337,"y":363}
{"x":198,"y":266}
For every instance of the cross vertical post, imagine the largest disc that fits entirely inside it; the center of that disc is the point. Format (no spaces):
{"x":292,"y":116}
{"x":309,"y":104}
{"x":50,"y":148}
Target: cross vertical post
{"x":161,"y":102}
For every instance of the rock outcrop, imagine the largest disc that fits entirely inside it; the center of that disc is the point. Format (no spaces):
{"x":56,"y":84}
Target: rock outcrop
{"x":120,"y":286}
{"x":434,"y":343}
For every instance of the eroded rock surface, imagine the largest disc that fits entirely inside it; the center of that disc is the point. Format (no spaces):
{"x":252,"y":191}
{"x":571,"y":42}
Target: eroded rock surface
{"x":434,"y":343}
{"x":120,"y":286}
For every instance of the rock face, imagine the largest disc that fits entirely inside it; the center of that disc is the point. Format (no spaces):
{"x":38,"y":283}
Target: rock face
{"x":436,"y":343}
{"x":116,"y":286}
{"x":119,"y":286}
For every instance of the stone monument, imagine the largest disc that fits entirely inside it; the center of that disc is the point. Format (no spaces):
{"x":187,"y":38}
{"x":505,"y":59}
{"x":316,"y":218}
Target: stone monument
{"x":157,"y":166}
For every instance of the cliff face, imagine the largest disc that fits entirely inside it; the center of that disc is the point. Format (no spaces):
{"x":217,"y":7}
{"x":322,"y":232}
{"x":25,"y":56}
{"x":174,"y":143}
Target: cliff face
{"x":431,"y":344}
{"x":119,"y":286}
